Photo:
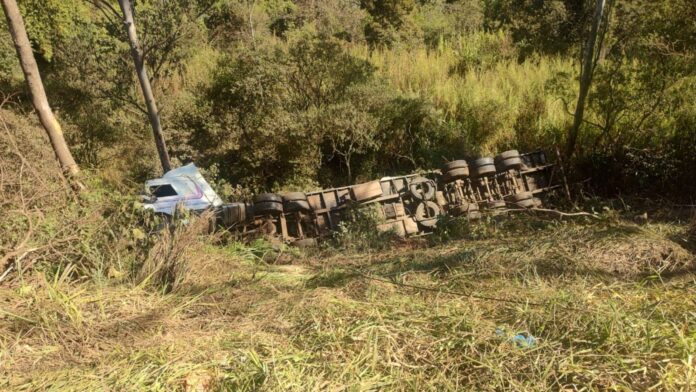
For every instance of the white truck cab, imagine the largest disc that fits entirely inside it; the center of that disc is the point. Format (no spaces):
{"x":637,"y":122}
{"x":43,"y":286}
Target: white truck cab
{"x":183,"y":186}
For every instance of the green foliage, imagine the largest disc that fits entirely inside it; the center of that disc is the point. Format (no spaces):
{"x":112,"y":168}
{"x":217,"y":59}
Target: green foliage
{"x":443,"y":21}
{"x":52,"y":23}
{"x":9,"y":66}
{"x":274,"y":116}
{"x":358,"y":231}
{"x":484,"y":51}
{"x":390,"y":22}
{"x":300,"y":94}
{"x":548,"y":26}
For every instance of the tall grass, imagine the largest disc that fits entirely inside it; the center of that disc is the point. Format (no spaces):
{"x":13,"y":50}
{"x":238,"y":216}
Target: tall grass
{"x":494,"y":100}
{"x":605,"y":313}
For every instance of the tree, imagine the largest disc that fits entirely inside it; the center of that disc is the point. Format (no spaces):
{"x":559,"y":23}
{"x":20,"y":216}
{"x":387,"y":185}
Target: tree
{"x":548,"y":26}
{"x":389,"y":22}
{"x":585,"y":77}
{"x":36,"y":89}
{"x":141,"y":70}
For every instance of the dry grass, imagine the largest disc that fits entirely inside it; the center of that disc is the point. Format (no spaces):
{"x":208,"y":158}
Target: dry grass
{"x":238,"y":323}
{"x":169,"y":258}
{"x":489,"y":103}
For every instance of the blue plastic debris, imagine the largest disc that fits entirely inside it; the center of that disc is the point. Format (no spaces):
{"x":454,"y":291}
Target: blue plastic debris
{"x":523,"y":341}
{"x":520,"y":340}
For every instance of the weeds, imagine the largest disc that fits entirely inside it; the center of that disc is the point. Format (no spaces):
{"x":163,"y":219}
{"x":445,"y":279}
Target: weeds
{"x":602,"y":315}
{"x":359,"y":230}
{"x":169,"y":258}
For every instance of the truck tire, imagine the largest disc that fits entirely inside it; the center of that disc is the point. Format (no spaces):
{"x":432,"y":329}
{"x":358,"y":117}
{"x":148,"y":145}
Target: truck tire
{"x":521,"y":200}
{"x":268,"y":197}
{"x":367,"y":191}
{"x":305,"y":243}
{"x":483,"y":167}
{"x":458,"y":164}
{"x":508,"y":154}
{"x":474,"y":215}
{"x":294,"y":196}
{"x":297,"y":206}
{"x":464,"y":208}
{"x":422,"y":188}
{"x":529,"y":203}
{"x":268,"y":208}
{"x":455,"y":174}
{"x":459,"y":210}
{"x":295,"y":202}
{"x":508,"y":160}
{"x":427,"y":213}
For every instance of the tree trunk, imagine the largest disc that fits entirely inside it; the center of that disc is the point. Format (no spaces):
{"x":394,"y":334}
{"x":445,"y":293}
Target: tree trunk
{"x":140,"y":69}
{"x":585,"y":79}
{"x":36,"y":89}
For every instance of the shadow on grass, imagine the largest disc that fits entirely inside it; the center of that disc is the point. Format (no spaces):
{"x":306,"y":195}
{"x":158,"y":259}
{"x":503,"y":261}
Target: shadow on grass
{"x":135,"y":326}
{"x":390,"y":268}
{"x":331,"y":279}
{"x":483,"y":264}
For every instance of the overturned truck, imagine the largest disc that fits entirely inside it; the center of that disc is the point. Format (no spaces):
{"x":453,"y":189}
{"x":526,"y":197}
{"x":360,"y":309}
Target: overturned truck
{"x":409,"y":205}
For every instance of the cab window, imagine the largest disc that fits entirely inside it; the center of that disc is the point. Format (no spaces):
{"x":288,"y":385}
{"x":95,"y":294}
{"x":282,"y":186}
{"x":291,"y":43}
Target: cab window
{"x":162,"y":190}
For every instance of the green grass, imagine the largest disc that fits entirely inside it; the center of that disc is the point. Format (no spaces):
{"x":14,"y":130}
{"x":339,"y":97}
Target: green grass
{"x":611,"y":304}
{"x":500,"y":104}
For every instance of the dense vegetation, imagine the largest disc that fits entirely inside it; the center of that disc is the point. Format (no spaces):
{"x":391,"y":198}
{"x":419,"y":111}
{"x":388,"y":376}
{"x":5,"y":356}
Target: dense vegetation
{"x":294,"y":94}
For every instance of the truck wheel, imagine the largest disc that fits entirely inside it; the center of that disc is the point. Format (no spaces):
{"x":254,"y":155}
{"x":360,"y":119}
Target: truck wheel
{"x":455,"y":174}
{"x":422,"y":189}
{"x":458,"y":164}
{"x":522,"y":199}
{"x":529,"y":203}
{"x":508,"y":160}
{"x":465,"y":208}
{"x":459,"y":210}
{"x":268,"y":208}
{"x":367,"y":191}
{"x":268,"y":197}
{"x":235,"y":213}
{"x":305,"y":243}
{"x":474,"y":215}
{"x":295,"y":202}
{"x":483,"y":167}
{"x":294,"y":196}
{"x":426,"y":214}
{"x":297,"y":206}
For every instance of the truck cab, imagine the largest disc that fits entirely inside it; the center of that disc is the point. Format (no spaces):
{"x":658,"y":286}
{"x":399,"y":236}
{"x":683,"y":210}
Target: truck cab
{"x":183,"y":186}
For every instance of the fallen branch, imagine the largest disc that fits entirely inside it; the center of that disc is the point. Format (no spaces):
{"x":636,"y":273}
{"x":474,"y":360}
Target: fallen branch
{"x":569,"y":214}
{"x":559,"y":213}
{"x":4,"y":274}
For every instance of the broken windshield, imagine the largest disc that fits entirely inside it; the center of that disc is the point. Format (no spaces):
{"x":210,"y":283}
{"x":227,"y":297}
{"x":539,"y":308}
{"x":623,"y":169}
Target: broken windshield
{"x":163,"y":190}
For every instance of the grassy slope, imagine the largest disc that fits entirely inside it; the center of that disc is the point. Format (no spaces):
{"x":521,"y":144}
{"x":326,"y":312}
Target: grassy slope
{"x":328,"y":321}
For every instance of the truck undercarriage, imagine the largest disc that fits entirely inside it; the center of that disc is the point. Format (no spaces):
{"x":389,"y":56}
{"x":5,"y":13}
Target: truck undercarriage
{"x":408,"y":205}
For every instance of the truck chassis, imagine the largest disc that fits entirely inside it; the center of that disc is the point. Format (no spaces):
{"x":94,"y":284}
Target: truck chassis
{"x":408,"y":205}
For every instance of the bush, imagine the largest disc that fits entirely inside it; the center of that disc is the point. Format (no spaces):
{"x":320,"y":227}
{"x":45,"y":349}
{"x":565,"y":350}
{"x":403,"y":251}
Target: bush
{"x":358,"y":231}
